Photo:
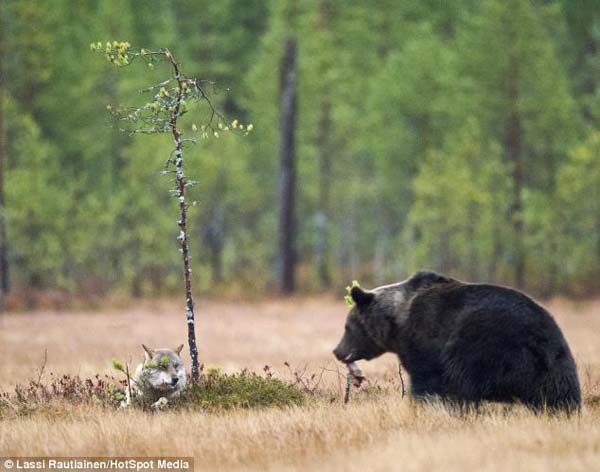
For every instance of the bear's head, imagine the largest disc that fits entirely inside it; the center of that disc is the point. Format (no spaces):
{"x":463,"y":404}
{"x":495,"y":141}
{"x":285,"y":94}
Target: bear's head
{"x":373,"y":322}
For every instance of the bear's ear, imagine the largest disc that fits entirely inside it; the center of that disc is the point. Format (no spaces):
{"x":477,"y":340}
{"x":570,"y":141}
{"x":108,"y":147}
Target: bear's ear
{"x":361,"y":297}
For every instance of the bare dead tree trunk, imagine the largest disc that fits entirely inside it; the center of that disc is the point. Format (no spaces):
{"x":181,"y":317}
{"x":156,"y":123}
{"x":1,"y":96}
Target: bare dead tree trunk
{"x":379,"y":261}
{"x":322,"y":217}
{"x":4,"y":275}
{"x":598,"y":238}
{"x":180,"y":185}
{"x":472,"y":257}
{"x":445,"y":257}
{"x":514,"y":153}
{"x":286,"y":259}
{"x":324,"y":149}
{"x":214,"y":238}
{"x":213,"y":231}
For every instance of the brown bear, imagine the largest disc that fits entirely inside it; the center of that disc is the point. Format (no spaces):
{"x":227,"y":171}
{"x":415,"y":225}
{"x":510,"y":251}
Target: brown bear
{"x":465,"y":343}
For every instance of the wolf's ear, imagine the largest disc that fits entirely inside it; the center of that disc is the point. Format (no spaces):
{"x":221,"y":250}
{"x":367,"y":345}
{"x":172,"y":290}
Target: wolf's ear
{"x":148,"y":352}
{"x":361,"y":297}
{"x":178,"y":349}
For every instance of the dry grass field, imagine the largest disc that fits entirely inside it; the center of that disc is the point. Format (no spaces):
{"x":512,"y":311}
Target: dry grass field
{"x":382,"y":432}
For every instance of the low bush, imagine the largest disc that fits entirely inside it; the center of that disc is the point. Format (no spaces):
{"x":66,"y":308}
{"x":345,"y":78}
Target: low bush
{"x":37,"y":395}
{"x":215,"y":391}
{"x":218,"y":391}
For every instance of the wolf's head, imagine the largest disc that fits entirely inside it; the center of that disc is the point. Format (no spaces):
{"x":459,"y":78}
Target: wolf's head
{"x":163,"y":370}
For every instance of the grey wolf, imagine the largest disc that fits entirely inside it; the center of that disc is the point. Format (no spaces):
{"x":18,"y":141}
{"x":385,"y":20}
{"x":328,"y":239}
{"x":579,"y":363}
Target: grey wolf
{"x":159,"y":378}
{"x":464,"y":343}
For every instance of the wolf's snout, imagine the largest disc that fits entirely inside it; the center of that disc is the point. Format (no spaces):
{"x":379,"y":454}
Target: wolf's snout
{"x":174,"y":380}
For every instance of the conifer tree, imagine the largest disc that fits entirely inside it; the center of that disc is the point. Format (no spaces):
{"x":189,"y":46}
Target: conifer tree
{"x":169,"y":102}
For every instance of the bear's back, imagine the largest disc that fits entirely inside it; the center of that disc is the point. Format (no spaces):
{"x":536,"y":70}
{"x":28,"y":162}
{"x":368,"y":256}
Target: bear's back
{"x":438,"y":311}
{"x":481,"y":341}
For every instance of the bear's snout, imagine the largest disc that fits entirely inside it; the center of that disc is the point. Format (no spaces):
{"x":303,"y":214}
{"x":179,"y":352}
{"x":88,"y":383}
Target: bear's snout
{"x":336,"y":353}
{"x":341,"y":354}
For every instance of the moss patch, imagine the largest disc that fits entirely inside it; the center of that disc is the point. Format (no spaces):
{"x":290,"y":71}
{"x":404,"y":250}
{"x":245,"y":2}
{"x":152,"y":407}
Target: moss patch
{"x":217,"y":391}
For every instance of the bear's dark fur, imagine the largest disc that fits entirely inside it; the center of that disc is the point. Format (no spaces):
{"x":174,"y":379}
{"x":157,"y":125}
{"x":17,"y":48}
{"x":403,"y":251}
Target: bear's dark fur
{"x":465,"y":342}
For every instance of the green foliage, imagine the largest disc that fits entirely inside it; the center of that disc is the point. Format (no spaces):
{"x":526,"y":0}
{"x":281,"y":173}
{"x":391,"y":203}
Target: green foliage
{"x":348,"y":297}
{"x":217,"y":391}
{"x":116,"y":52}
{"x":456,"y":221}
{"x":578,"y":216}
{"x":118,"y":365}
{"x":36,"y":202}
{"x":119,"y":396}
{"x":402,"y":144}
{"x":169,"y":97}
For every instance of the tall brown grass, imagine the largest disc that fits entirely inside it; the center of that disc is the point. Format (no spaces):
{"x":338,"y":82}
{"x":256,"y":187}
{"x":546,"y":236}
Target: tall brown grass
{"x":376,"y":431}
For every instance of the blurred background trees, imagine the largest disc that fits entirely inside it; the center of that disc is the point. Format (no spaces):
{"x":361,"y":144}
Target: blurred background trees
{"x":460,"y":136}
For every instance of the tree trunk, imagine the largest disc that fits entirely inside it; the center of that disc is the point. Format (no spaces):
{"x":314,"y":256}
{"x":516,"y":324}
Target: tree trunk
{"x":213,"y":235}
{"x":217,"y":226}
{"x":286,"y":259}
{"x":4,"y":276}
{"x":445,"y":257}
{"x":472,"y":258}
{"x":138,"y":277}
{"x":597,"y":282}
{"x":180,"y":185}
{"x":322,"y":217}
{"x":323,"y":145}
{"x":379,"y":261}
{"x":514,"y":153}
{"x":494,"y":262}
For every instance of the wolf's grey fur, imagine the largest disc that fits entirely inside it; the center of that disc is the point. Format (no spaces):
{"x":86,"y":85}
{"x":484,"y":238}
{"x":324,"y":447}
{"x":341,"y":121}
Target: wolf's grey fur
{"x":160,"y":378}
{"x":465,"y":342}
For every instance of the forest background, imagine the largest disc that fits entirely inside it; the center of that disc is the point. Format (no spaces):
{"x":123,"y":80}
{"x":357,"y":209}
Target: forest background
{"x":460,"y":136}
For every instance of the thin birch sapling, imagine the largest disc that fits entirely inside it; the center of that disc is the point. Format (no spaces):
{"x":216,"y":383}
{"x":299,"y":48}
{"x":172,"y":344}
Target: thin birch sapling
{"x":169,"y":102}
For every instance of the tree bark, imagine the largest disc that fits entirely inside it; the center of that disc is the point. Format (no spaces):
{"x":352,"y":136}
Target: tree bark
{"x":472,"y":257}
{"x":514,"y":153}
{"x":323,"y":145}
{"x":322,"y":217}
{"x":180,"y":185}
{"x":597,"y":281}
{"x":286,"y":258}
{"x":213,"y":234}
{"x":379,"y":261}
{"x":4,"y":265}
{"x":217,"y":225}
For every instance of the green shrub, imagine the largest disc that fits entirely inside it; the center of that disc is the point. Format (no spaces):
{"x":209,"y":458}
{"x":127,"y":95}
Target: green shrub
{"x":215,"y":391}
{"x":218,"y":391}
